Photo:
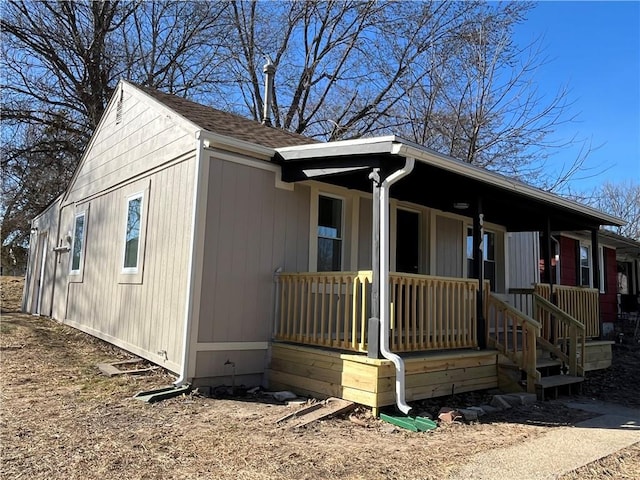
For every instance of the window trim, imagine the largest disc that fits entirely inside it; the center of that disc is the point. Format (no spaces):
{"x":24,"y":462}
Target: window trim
{"x":579,"y":283}
{"x":133,"y":270}
{"x":76,"y":275}
{"x":603,"y":269}
{"x":315,"y":207}
{"x":134,"y":275}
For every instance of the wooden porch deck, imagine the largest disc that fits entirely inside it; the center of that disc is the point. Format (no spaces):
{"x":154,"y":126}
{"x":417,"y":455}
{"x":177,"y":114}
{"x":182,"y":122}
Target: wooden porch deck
{"x":321,"y":336}
{"x":322,"y":372}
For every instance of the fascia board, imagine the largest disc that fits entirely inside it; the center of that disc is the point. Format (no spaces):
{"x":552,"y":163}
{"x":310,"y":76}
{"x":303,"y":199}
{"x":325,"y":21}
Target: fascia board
{"x":506,"y":183}
{"x":223,"y":142}
{"x":361,"y":146}
{"x":396,"y":146}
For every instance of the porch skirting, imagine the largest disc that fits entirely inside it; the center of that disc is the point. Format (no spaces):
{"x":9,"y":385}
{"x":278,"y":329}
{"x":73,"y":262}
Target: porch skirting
{"x":598,"y":355}
{"x":323,"y":373}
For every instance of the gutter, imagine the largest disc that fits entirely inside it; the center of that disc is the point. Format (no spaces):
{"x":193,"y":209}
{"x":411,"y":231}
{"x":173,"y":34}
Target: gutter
{"x":194,"y":277}
{"x":384,"y":283}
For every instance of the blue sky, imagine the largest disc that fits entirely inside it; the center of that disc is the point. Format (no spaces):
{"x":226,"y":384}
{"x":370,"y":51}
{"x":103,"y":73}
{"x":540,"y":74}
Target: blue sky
{"x":594,"y":49}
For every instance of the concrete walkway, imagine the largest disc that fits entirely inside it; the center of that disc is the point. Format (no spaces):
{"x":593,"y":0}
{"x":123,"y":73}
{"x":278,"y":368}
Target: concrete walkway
{"x":561,"y":450}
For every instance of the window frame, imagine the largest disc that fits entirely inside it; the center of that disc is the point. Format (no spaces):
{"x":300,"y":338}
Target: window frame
{"x":340,"y":238}
{"x":133,"y":270}
{"x":589,"y":266}
{"x":134,"y":275}
{"x":76,"y":273}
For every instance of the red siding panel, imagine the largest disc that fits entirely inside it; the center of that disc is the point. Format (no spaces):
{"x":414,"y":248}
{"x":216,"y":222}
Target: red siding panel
{"x":609,"y":299}
{"x":568,"y":256}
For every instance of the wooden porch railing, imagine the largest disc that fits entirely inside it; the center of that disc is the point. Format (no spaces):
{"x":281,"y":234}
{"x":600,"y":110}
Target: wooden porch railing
{"x":432,"y":313}
{"x":570,"y":346}
{"x":514,"y":334}
{"x":332,"y":310}
{"x":325,"y":309}
{"x":580,"y":303}
{"x":560,"y":333}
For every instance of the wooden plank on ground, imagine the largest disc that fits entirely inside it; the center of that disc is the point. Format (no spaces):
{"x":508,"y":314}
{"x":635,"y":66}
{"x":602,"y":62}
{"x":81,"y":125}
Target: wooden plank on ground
{"x":330,"y":407}
{"x":110,"y":369}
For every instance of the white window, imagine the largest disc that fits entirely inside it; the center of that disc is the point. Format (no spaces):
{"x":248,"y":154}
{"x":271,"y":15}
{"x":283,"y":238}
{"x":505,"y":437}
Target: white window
{"x":132,"y":233}
{"x":329,"y":234}
{"x":77,"y":246}
{"x":585,"y":266}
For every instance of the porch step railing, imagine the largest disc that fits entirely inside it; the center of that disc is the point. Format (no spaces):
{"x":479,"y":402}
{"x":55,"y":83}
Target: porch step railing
{"x":331,"y":309}
{"x":569,"y":347}
{"x":579,"y":302}
{"x":514,"y":334}
{"x":561,"y":333}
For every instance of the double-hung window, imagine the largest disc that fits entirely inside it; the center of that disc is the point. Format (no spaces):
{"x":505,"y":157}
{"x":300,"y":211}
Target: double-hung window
{"x":135,"y":205}
{"x":585,"y":266}
{"x":77,"y":245}
{"x":329,"y":234}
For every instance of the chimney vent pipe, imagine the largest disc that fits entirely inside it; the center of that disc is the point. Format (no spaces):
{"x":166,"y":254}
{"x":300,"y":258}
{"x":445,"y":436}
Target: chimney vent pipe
{"x":269,"y":71}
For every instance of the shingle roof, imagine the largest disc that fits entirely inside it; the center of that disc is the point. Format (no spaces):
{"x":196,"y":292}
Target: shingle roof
{"x":229,"y":124}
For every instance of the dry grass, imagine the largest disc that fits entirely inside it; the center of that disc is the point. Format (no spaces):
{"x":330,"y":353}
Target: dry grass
{"x":11,"y":293}
{"x":60,"y":418}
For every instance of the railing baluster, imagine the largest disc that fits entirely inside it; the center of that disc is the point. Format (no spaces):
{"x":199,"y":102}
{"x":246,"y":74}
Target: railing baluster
{"x":363,"y":313}
{"x":421,"y":314}
{"x":308,"y":310}
{"x":406,"y":313}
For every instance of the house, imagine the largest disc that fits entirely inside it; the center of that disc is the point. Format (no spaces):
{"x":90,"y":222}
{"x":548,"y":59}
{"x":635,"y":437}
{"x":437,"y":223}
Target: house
{"x":222,"y":248}
{"x":627,"y":272}
{"x":609,"y":269}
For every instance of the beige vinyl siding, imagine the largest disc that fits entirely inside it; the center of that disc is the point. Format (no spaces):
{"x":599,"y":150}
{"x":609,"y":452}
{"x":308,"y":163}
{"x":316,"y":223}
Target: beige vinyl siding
{"x":247,"y":369}
{"x":252,"y":229}
{"x":146,"y":318}
{"x":364,"y":234}
{"x":142,"y":140}
{"x":523,"y":252}
{"x":449,"y":244}
{"x":42,"y":244}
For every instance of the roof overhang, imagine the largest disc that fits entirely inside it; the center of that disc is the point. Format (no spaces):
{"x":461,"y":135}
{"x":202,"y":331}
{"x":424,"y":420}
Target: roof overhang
{"x":623,"y":245}
{"x":439,"y":181}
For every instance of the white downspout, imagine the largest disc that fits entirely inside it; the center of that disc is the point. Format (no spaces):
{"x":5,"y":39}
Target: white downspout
{"x":384,"y":283}
{"x":194,"y":274}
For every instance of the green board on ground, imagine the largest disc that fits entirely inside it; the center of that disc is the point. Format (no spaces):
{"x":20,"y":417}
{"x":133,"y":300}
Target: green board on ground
{"x":415,"y":424}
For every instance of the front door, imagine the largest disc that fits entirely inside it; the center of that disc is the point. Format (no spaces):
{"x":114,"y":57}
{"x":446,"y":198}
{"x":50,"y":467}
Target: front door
{"x":407,"y":241}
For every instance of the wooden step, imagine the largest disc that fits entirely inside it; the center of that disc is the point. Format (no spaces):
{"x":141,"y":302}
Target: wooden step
{"x":547,"y":362}
{"x":555,"y":383}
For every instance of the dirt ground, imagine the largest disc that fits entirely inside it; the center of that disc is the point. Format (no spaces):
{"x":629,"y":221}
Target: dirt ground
{"x":60,"y":418}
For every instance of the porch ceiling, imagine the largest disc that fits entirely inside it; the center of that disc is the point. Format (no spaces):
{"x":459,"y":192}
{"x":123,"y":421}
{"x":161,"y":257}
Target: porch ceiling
{"x":439,"y":182}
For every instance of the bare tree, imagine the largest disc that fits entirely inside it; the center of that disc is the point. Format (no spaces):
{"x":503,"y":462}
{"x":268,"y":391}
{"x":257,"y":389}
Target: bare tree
{"x":62,"y":61}
{"x":175,"y":46}
{"x":623,"y":201}
{"x":344,"y":68}
{"x":481,"y":103}
{"x":445,"y":74}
